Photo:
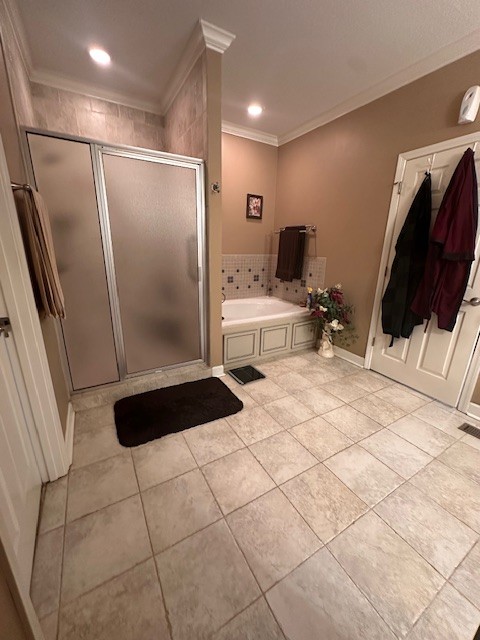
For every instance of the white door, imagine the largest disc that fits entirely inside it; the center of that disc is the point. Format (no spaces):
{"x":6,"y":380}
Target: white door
{"x":20,"y":482}
{"x":433,"y":362}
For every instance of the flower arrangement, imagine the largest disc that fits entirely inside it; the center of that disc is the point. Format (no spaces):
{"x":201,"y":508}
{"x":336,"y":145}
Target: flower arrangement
{"x":332,"y":315}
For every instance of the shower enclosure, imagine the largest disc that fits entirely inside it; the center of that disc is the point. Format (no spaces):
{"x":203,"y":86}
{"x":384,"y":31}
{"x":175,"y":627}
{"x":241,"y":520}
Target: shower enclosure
{"x":128,"y":230}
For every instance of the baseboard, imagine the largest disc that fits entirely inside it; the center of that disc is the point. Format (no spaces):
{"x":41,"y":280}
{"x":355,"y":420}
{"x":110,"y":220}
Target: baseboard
{"x":473,"y":410}
{"x":69,"y":430}
{"x":350,"y":357}
{"x":218,"y":371}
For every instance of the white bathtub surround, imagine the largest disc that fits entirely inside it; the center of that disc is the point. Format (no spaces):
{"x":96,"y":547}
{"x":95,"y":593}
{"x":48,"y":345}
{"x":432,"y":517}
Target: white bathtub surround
{"x":250,"y":275}
{"x":257,"y":328}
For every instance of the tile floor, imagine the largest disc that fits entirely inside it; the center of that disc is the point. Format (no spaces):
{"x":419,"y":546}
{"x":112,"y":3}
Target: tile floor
{"x":336,"y":506}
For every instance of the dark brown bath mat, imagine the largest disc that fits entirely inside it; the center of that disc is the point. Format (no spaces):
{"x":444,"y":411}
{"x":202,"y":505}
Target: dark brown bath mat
{"x":154,"y":414}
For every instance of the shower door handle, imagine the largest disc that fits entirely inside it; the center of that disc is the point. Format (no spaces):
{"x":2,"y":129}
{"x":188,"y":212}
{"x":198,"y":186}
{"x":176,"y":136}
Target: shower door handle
{"x":475,"y":302}
{"x":5,"y":327}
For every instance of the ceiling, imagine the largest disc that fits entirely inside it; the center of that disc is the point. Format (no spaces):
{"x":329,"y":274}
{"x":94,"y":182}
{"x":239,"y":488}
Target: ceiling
{"x":305,"y":61}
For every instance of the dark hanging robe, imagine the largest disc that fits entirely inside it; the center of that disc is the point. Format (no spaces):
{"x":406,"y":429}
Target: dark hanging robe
{"x":291,"y":248}
{"x":408,"y":265}
{"x":452,"y":248}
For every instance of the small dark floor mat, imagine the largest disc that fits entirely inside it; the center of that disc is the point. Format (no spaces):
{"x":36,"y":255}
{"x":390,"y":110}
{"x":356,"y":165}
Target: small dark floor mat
{"x":247,"y":374}
{"x":154,"y":414}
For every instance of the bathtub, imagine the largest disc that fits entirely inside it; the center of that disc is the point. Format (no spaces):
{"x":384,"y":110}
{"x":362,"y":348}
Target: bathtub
{"x":255,"y":328}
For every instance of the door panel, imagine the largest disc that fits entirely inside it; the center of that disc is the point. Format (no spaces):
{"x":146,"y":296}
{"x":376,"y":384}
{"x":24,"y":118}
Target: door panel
{"x":432,"y":361}
{"x":64,"y":176}
{"x":152,"y":209}
{"x":20,"y":482}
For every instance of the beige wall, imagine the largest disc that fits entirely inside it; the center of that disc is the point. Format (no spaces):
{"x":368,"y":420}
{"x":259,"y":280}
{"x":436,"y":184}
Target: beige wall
{"x":340,"y":175}
{"x":476,"y":392}
{"x":79,"y":115}
{"x":11,"y":627}
{"x":247,"y":167}
{"x":186,"y":119}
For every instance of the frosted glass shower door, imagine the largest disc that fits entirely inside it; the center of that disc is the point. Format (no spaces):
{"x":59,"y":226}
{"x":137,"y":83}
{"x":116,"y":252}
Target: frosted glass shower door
{"x":155,"y":224}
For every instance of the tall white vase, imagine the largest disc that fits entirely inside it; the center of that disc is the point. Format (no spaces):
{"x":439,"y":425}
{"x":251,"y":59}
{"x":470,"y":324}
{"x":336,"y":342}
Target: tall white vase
{"x":326,"y":347}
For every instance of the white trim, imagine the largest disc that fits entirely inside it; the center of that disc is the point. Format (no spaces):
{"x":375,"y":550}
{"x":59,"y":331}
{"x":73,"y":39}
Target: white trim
{"x":349,"y":357}
{"x":218,"y":371}
{"x":58,"y":81}
{"x":473,"y":370}
{"x":473,"y":410}
{"x":251,"y":134}
{"x":69,"y":432}
{"x":17,"y":290}
{"x":215,"y":38}
{"x":18,"y":30}
{"x":441,"y":58}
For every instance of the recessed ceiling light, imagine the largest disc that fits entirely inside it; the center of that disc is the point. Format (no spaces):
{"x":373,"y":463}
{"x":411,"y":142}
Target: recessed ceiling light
{"x":255,"y":110}
{"x":99,"y":56}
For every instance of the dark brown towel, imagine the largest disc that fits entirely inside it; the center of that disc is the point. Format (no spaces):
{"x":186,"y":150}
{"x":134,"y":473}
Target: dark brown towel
{"x":290,"y":253}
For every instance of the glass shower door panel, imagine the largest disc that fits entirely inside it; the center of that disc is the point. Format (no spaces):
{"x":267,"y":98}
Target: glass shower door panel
{"x":153,"y":219}
{"x":64,"y":176}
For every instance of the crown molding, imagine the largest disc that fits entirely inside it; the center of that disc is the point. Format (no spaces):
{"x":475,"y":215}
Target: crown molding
{"x":251,"y":134}
{"x":67,"y":84}
{"x":204,"y":36}
{"x":215,"y":38}
{"x":19,"y":35}
{"x":441,"y":58}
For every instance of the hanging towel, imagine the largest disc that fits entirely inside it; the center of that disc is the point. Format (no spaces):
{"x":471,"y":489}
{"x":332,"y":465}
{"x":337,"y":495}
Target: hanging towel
{"x":408,"y":266}
{"x":452,"y":248}
{"x":41,"y":256}
{"x":290,"y":253}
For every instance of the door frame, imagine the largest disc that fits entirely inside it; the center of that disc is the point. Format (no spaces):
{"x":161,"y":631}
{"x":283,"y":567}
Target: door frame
{"x":50,"y":447}
{"x":473,"y":368}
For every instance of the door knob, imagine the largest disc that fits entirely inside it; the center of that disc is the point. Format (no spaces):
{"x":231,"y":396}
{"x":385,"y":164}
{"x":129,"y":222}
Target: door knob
{"x":5,"y":327}
{"x":475,"y":302}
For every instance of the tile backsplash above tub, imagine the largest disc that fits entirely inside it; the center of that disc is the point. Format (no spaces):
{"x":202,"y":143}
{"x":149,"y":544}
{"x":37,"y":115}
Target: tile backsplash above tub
{"x":250,"y":276}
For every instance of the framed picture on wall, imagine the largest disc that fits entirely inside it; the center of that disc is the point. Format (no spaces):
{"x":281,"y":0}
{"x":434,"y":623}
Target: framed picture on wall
{"x":254,"y":206}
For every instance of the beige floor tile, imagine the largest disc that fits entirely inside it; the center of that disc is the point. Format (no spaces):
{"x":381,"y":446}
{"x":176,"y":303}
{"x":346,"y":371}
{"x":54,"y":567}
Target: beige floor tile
{"x":369,"y":380}
{"x":326,"y":503}
{"x":382,"y":412}
{"x":401,"y":456}
{"x":205,"y":582}
{"x":177,"y":508}
{"x":103,"y":545}
{"x":273,"y":369}
{"x":463,"y":458}
{"x":366,"y":476}
{"x":92,"y":446}
{"x":243,"y":396}
{"x":94,"y":419}
{"x":288,"y":411}
{"x":337,"y":364}
{"x":252,"y":425}
{"x":46,"y":572}
{"x":263,"y":391}
{"x":255,"y":623}
{"x":467,"y":576}
{"x":237,"y":479}
{"x":53,"y":508}
{"x":161,"y":460}
{"x":100,"y":484}
{"x":421,"y":434}
{"x":351,"y":422}
{"x":273,"y":537}
{"x":320,"y":375}
{"x":398,"y":581}
{"x":320,"y":438}
{"x":49,"y":626}
{"x":451,"y":490}
{"x":402,"y":398}
{"x":345,"y":390}
{"x":282,"y":456}
{"x":293,"y":381}
{"x":318,"y":400}
{"x":212,"y":441}
{"x":296,"y":363}
{"x":442,"y":417}
{"x":437,"y":535}
{"x":449,"y":617}
{"x":127,"y":607}
{"x":472,"y":441}
{"x":319,"y":595}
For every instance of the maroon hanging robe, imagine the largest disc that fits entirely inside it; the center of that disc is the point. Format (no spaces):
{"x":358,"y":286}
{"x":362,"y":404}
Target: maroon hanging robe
{"x":452,"y":248}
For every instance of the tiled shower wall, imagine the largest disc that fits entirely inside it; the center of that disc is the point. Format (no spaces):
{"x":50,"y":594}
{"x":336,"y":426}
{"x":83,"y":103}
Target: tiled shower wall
{"x":251,"y":275}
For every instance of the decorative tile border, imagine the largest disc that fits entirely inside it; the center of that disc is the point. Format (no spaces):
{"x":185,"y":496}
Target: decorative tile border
{"x":252,"y":275}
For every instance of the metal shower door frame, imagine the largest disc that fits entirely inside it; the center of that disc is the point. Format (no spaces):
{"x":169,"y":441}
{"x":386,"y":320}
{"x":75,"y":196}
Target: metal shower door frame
{"x":97,"y":153}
